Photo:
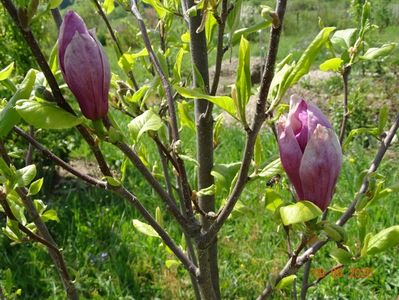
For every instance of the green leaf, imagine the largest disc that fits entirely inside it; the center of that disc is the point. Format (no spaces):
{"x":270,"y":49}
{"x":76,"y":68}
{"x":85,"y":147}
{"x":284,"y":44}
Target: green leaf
{"x":108,"y":6}
{"x":293,"y":74}
{"x":169,"y":263}
{"x":161,"y":10}
{"x":147,"y":121}
{"x":341,"y":256}
{"x":53,"y":60}
{"x":333,"y":64}
{"x":272,"y":200}
{"x":184,"y":118}
{"x":343,"y":38}
{"x":384,"y":50}
{"x":302,"y":66}
{"x":210,"y":26}
{"x":359,"y":131}
{"x":45,"y":115}
{"x":55,"y":3}
{"x":9,"y":116}
{"x":224,"y":102}
{"x":286,"y":282}
{"x":272,"y":169}
{"x":243,"y":80}
{"x":127,"y":60}
{"x":383,"y":118}
{"x":258,"y":152}
{"x":383,"y":240}
{"x":145,"y":228}
{"x":25,"y":175}
{"x":209,"y":191}
{"x":242,"y":32}
{"x":112,"y":181}
{"x":158,"y":216}
{"x":178,"y":62}
{"x":300,"y":212}
{"x":6,"y":72}
{"x":40,"y":206}
{"x":50,"y":215}
{"x":35,"y":187}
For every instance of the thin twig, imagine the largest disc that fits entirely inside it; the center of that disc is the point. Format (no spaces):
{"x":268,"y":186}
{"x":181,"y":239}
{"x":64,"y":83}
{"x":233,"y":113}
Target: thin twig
{"x":29,"y":154}
{"x":55,"y":12}
{"x":345,"y":79}
{"x":253,"y":132}
{"x":171,"y":107}
{"x":115,"y":39}
{"x":46,"y":153}
{"x":305,"y":279}
{"x":290,"y":269}
{"x":190,"y":227}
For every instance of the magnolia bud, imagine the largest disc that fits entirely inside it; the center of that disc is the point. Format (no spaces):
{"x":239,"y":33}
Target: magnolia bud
{"x":84,"y":66}
{"x":310,"y":152}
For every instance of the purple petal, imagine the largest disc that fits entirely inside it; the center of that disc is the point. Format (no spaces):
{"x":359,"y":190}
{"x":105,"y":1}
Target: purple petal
{"x":84,"y":74}
{"x":290,"y":155}
{"x":320,"y":166}
{"x":105,"y":66}
{"x":315,"y":116}
{"x":72,"y":23}
{"x":298,"y":120}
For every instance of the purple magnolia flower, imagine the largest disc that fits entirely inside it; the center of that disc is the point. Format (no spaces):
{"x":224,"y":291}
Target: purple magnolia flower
{"x":84,"y":66}
{"x":310,"y":152}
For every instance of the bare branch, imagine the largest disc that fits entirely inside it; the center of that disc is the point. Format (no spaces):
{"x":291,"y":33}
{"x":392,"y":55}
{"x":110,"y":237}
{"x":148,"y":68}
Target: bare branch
{"x":345,"y":79}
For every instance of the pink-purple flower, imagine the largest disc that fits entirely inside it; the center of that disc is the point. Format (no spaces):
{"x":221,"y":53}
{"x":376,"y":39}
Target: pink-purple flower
{"x":84,"y":66}
{"x":310,"y":152}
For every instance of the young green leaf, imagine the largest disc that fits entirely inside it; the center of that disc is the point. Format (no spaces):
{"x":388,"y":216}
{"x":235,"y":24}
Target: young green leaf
{"x":343,"y":39}
{"x":6,"y":72}
{"x":25,"y":175}
{"x":224,"y":102}
{"x":243,"y":80}
{"x":286,"y":282}
{"x":9,"y":116}
{"x":54,"y":3}
{"x":184,"y":118}
{"x":341,"y":256}
{"x":35,"y":187}
{"x":383,"y":240}
{"x":332,"y":64}
{"x":383,"y":118}
{"x":45,"y":115}
{"x":300,"y":212}
{"x":374,"y":53}
{"x":147,"y":121}
{"x":145,"y":228}
{"x":50,"y":215}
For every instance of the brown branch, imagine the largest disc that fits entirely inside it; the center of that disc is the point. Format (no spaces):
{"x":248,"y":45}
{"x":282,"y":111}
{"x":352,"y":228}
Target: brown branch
{"x":251,"y":133}
{"x":311,"y":251}
{"x":171,"y":108}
